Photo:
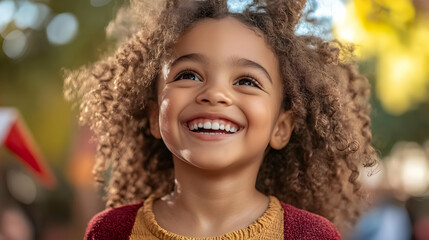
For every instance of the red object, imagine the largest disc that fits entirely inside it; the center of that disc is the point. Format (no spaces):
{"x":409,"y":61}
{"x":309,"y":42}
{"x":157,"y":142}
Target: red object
{"x":117,"y":223}
{"x":15,"y":136}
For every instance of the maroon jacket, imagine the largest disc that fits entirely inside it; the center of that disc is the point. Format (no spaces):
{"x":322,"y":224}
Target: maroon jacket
{"x":117,"y":223}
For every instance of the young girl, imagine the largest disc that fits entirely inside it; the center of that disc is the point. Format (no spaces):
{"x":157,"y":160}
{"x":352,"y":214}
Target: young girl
{"x":221,"y":125}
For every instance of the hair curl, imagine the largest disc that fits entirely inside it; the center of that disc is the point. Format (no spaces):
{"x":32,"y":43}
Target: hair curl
{"x":316,"y":171}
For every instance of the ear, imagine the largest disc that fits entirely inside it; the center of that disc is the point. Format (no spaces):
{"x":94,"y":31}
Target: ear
{"x":282,"y":130}
{"x":154,"y":120}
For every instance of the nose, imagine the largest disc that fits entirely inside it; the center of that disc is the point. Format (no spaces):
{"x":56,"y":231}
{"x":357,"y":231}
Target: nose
{"x":214,"y":94}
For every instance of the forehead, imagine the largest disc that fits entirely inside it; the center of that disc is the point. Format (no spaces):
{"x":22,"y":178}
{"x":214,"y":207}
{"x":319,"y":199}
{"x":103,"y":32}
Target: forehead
{"x":220,"y":39}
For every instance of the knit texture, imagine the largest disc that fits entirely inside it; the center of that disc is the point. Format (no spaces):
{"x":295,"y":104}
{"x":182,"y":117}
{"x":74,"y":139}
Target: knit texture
{"x":118,"y":223}
{"x":303,"y":225}
{"x":268,"y":226}
{"x":113,"y":224}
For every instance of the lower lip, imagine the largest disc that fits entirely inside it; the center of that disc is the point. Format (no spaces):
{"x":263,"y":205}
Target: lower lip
{"x":211,"y":137}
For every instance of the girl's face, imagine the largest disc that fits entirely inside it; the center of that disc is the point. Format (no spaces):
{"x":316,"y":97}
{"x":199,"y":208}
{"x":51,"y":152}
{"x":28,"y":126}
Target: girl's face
{"x":220,"y":99}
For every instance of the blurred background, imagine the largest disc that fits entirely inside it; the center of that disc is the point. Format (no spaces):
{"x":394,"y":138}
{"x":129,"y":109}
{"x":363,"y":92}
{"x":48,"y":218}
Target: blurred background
{"x":39,"y":39}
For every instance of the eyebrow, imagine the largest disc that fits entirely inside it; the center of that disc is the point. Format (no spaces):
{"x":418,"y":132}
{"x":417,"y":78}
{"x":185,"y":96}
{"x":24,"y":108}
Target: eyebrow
{"x":196,"y":57}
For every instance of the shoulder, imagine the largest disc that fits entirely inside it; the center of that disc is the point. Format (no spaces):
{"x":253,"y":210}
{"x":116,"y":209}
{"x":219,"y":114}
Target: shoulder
{"x":113,"y":223}
{"x":300,"y":224}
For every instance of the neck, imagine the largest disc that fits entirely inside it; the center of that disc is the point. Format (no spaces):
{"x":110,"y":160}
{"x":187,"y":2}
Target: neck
{"x":212,"y":199}
{"x":197,"y":190}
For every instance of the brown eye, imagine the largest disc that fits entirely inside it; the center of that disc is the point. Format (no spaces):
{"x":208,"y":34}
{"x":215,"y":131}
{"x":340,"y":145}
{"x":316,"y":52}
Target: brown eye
{"x":187,"y":75}
{"x":248,"y":82}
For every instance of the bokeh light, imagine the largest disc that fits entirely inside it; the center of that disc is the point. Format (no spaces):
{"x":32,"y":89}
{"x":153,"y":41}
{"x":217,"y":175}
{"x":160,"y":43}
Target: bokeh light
{"x":414,"y":174}
{"x":20,"y":19}
{"x":15,"y":44}
{"x":62,"y":28}
{"x":21,"y":186}
{"x":7,"y":10}
{"x":407,"y":169}
{"x":42,"y":16}
{"x":26,"y":15}
{"x":15,"y":225}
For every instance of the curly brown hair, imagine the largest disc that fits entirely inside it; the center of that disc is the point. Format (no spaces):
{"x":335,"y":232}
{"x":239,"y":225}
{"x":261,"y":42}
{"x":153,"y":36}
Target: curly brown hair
{"x":318,"y":169}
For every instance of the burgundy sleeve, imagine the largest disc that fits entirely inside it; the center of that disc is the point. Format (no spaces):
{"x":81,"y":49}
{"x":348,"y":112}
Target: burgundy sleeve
{"x":114,"y":223}
{"x":300,"y":224}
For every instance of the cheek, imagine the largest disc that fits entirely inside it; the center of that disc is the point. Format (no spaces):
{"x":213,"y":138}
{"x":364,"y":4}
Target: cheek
{"x":167,"y":111}
{"x":164,"y":109}
{"x":261,"y":113}
{"x":171,"y":104}
{"x":167,"y":119}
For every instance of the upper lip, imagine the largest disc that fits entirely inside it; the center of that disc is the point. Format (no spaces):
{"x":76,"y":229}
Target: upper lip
{"x":212,"y":116}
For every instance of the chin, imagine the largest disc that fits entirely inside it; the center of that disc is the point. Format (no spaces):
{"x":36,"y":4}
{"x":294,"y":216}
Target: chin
{"x":209,"y":165}
{"x":206,"y":161}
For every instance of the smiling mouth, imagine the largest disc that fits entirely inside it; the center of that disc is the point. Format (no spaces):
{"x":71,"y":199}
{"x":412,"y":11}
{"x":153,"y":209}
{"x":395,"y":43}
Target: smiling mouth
{"x":208,"y":126}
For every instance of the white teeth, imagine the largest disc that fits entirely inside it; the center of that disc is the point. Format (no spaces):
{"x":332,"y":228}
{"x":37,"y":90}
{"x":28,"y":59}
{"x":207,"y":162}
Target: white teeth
{"x":207,"y":125}
{"x":215,"y":126}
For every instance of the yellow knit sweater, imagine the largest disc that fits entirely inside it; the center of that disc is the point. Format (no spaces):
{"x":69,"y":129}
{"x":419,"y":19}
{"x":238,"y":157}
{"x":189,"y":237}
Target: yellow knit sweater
{"x":269,"y":226}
